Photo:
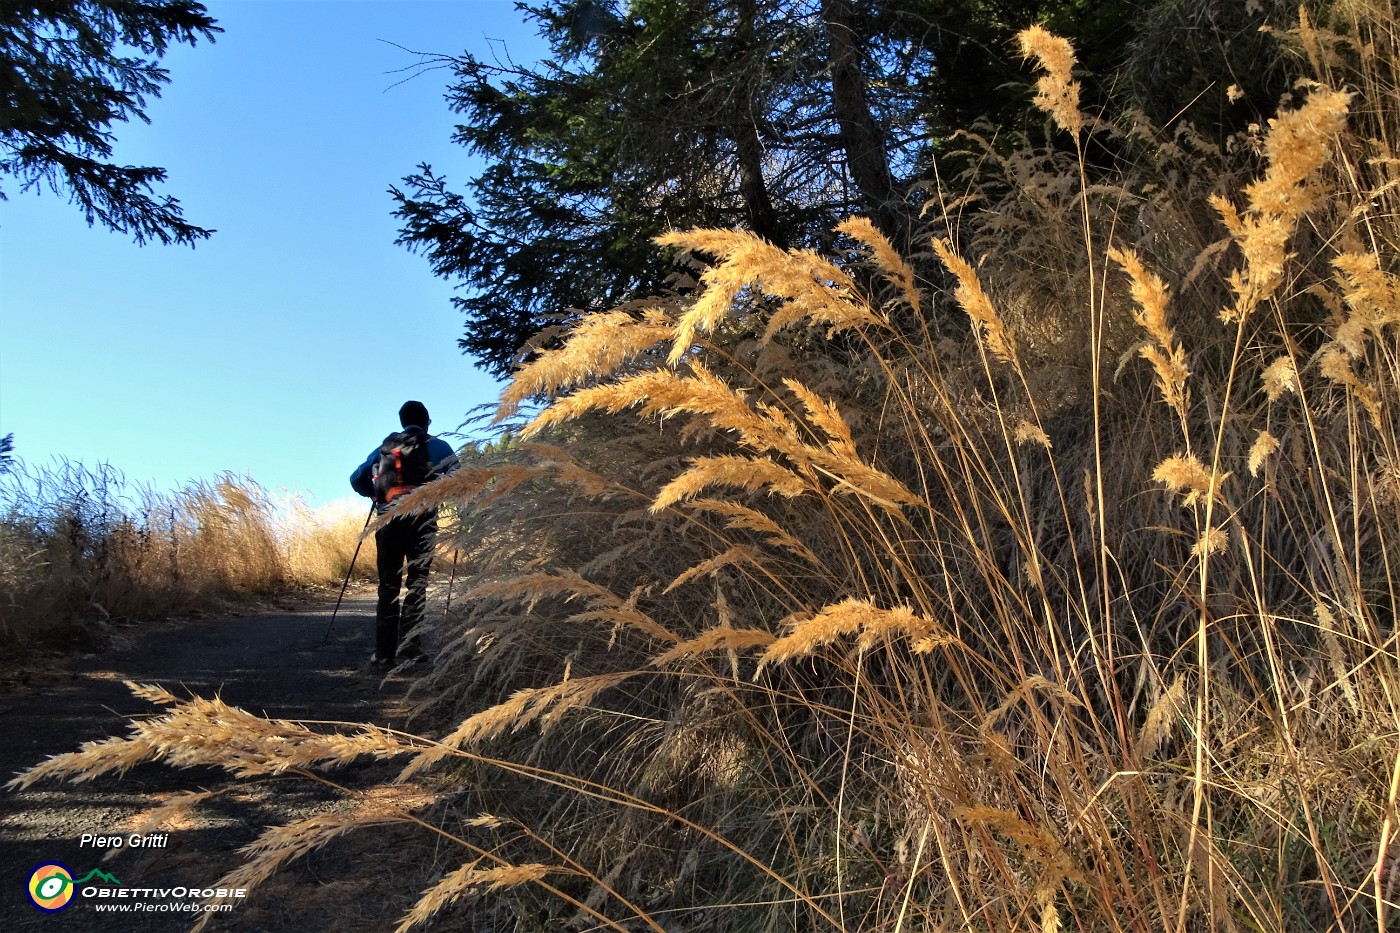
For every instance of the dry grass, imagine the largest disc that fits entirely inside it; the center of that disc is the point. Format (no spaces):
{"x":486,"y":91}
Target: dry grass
{"x":795,"y":616}
{"x":78,"y":547}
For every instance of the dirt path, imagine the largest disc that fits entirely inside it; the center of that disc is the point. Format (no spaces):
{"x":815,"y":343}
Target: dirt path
{"x":272,"y":663}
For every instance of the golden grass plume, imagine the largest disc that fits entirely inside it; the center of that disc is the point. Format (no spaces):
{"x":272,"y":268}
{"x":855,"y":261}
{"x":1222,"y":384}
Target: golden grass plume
{"x":813,"y":288}
{"x":1057,"y":92}
{"x":1000,"y":341}
{"x":1165,"y":353}
{"x":871,"y":624}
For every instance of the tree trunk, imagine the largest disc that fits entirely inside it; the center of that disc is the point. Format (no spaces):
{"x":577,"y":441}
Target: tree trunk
{"x":758,"y":206}
{"x":861,"y":136}
{"x":763,"y":220}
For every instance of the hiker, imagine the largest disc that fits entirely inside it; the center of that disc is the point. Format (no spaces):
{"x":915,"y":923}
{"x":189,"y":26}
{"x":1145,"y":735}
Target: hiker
{"x":406,"y":460}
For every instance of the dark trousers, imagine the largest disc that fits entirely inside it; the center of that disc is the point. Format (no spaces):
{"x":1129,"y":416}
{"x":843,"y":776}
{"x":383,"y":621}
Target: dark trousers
{"x":406,"y":541}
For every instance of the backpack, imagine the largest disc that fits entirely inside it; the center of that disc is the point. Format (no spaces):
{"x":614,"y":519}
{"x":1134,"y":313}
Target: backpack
{"x":403,"y":464}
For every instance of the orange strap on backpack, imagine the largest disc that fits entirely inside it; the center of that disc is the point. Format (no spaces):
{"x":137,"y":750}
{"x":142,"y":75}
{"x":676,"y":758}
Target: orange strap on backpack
{"x":396,"y":491}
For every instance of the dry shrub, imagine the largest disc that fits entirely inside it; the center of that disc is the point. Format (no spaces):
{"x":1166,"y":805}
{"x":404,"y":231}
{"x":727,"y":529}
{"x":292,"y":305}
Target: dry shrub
{"x":800,"y":606}
{"x":317,"y":545}
{"x":79,"y":547}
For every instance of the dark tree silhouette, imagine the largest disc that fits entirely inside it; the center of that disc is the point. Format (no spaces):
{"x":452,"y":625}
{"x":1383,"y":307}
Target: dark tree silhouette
{"x":68,"y":72}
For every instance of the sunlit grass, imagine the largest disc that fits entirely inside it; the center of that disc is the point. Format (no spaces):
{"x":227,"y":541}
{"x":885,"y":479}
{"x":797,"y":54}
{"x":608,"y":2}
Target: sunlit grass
{"x":823,"y":599}
{"x":78,"y":545}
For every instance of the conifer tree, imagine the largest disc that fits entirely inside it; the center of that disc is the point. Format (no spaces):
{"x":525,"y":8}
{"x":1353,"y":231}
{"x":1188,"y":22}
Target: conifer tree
{"x":781,"y":117}
{"x":68,"y":72}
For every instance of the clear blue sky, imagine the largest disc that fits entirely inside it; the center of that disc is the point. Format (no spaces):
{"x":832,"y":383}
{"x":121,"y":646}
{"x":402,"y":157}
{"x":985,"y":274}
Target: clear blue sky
{"x":282,"y":347}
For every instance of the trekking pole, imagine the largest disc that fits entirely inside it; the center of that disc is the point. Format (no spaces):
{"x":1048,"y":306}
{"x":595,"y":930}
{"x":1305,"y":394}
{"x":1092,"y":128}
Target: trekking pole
{"x":346,"y":584}
{"x":451,"y":580}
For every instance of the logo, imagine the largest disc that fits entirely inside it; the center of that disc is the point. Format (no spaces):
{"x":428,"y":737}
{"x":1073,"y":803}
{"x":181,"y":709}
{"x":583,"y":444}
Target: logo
{"x":51,"y":885}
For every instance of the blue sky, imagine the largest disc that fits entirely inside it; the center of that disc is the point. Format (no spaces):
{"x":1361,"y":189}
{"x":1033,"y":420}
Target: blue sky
{"x":282,"y":347}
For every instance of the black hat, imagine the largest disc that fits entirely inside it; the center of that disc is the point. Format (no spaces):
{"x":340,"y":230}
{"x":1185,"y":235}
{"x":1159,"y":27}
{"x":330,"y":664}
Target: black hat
{"x":413,"y":413}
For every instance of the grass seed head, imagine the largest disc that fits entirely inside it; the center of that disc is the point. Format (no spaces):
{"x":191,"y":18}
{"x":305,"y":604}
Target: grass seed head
{"x":1057,"y":92}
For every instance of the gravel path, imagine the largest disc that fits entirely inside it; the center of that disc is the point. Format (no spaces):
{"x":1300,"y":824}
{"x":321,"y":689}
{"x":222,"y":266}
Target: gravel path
{"x":272,"y":663}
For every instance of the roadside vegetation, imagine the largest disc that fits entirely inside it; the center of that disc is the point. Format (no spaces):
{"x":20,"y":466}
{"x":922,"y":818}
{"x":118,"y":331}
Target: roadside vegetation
{"x":1056,"y":594}
{"x":80,"y":548}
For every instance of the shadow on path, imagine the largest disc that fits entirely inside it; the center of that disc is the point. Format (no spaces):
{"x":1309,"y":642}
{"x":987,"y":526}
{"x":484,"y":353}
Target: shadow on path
{"x":273,"y":664}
